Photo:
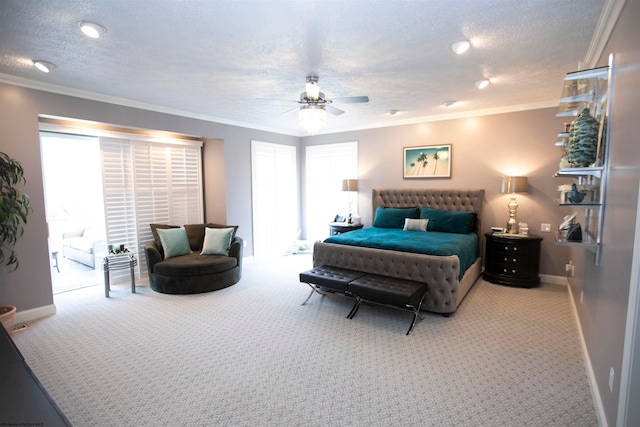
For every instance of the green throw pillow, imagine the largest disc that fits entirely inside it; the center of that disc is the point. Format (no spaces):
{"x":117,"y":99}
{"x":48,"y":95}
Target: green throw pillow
{"x":174,"y":242}
{"x":217,"y":241}
{"x":449,"y":221}
{"x":394,"y":217}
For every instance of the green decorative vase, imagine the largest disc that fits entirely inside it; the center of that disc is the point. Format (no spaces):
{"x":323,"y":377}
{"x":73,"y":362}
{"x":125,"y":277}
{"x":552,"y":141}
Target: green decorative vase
{"x":583,"y":140}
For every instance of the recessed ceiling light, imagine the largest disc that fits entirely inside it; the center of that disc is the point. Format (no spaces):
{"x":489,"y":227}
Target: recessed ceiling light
{"x":91,"y":29}
{"x":449,"y":103}
{"x":392,"y":112}
{"x":460,"y":47}
{"x":481,"y":84}
{"x":44,"y":66}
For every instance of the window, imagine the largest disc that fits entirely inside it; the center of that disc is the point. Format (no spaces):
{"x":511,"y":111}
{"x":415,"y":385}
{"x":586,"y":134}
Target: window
{"x":326,"y":166}
{"x":145,"y":179}
{"x":274,"y":197}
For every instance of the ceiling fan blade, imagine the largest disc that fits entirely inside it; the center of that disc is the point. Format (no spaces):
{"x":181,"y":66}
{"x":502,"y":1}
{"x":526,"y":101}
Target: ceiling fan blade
{"x":280,"y":100}
{"x":290,"y":110}
{"x":351,"y":99}
{"x":333,"y":110}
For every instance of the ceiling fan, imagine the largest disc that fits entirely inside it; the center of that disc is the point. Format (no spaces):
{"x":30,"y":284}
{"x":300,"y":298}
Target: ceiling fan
{"x":314,"y":98}
{"x":314,"y":105}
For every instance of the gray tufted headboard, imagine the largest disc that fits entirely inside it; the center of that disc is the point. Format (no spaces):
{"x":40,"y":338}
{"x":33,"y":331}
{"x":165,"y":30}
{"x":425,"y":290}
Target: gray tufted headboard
{"x":453,"y":200}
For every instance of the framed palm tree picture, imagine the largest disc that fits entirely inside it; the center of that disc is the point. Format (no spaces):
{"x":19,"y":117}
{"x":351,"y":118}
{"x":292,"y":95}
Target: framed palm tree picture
{"x":427,"y":161}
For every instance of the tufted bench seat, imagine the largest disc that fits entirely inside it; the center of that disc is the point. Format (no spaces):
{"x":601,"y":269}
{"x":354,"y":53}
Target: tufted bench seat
{"x":333,"y":279}
{"x":388,"y":291}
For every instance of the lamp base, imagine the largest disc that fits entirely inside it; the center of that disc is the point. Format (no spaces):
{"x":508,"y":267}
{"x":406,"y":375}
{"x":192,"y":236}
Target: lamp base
{"x":512,"y":224}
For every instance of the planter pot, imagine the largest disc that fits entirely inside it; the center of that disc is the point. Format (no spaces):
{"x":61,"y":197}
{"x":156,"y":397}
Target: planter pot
{"x":8,"y":317}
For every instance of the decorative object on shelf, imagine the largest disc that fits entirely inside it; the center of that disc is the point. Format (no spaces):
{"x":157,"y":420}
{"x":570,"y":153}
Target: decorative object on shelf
{"x":583,"y":140}
{"x":574,"y":233}
{"x":575,"y":196}
{"x":350,"y":186}
{"x":513,"y":185}
{"x":570,"y":195}
{"x":431,"y":161}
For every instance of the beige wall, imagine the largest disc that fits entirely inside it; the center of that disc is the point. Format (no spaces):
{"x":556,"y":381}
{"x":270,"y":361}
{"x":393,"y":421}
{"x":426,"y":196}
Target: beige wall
{"x":606,"y":287}
{"x":483,"y":149}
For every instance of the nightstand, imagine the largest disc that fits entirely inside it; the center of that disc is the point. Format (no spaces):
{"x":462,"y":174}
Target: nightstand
{"x":342,"y":227}
{"x":512,"y":259}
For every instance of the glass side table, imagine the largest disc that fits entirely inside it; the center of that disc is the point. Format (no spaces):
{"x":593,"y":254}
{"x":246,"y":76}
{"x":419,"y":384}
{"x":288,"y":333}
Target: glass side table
{"x":119,"y":262}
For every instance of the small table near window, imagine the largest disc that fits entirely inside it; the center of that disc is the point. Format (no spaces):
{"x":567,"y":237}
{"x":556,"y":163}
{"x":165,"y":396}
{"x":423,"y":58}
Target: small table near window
{"x":119,"y":262}
{"x":342,"y":227}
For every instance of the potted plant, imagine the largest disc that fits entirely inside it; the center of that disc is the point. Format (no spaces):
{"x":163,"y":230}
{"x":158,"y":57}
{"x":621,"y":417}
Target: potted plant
{"x":14,"y":208}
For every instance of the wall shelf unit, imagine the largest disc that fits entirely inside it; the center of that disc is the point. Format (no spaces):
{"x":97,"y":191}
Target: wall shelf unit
{"x":587,"y":89}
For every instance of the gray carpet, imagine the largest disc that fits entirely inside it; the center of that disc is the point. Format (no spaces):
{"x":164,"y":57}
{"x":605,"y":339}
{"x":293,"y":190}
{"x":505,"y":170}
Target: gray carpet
{"x":251,"y":355}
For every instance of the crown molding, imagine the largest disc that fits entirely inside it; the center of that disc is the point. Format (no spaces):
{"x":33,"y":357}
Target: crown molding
{"x":604,"y":28}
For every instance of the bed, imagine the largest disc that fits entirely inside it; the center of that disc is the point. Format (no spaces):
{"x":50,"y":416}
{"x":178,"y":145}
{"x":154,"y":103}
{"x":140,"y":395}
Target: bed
{"x":449,"y":275}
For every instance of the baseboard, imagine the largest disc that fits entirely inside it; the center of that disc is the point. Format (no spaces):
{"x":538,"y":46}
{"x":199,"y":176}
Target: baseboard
{"x":593,"y":384}
{"x":25,"y":316}
{"x":554,"y":280}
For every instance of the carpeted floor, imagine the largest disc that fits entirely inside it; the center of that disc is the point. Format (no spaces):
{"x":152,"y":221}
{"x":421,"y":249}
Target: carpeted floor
{"x":251,"y":355}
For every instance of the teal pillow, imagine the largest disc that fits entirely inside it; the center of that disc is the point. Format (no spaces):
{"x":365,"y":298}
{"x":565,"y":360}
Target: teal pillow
{"x":394,"y":217}
{"x":461,"y":222}
{"x":174,"y":242}
{"x":217,"y":241}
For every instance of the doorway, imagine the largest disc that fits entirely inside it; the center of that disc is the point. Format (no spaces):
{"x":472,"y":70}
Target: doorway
{"x":74,"y":209}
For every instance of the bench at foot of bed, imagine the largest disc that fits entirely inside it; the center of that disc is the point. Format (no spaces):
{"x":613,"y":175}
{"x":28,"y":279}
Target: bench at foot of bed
{"x":387,"y":291}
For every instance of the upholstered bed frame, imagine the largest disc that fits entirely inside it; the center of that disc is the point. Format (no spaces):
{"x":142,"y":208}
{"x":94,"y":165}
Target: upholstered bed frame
{"x":441,"y":273}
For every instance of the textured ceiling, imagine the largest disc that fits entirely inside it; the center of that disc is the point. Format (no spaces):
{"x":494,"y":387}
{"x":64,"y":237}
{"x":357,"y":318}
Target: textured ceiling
{"x":213,"y":59}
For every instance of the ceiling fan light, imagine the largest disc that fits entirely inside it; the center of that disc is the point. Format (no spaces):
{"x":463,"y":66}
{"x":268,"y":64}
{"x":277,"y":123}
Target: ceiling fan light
{"x":460,"y":47}
{"x":481,"y":84}
{"x":43,"y":66}
{"x":91,"y":29}
{"x":312,"y":118}
{"x":312,"y":88}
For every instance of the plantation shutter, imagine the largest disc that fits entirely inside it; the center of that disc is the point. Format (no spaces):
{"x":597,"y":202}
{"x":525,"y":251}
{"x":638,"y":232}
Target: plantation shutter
{"x":148,"y":182}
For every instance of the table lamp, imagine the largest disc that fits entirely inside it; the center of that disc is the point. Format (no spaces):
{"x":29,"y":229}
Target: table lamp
{"x":350,"y":185}
{"x":513,"y":185}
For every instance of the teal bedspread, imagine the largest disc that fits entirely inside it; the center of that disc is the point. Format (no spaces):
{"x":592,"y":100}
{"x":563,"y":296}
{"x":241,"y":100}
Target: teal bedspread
{"x":465,"y":246}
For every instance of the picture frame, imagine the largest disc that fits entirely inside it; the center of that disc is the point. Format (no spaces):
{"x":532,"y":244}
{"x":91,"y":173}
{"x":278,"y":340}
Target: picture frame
{"x":427,"y":161}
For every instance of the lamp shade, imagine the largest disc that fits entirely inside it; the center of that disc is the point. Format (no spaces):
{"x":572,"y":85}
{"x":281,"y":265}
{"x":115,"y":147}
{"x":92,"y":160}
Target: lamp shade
{"x":349,"y":185}
{"x":514,"y":184}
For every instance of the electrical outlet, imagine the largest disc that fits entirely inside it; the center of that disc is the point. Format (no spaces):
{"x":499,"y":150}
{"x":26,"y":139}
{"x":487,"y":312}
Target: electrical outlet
{"x":570,"y":267}
{"x":612,"y":376}
{"x":244,"y":243}
{"x":545,"y":228}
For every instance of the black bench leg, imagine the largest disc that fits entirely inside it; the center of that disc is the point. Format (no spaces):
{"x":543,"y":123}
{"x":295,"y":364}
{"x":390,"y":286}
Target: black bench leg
{"x":416,"y":314}
{"x":355,"y":308}
{"x":313,"y":289}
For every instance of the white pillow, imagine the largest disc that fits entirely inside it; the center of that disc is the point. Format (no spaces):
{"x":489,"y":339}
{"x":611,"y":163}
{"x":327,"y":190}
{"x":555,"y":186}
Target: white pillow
{"x":217,"y":241}
{"x":411,"y":224}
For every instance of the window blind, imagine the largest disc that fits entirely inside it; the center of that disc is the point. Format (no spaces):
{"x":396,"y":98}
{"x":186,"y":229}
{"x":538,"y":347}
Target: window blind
{"x":148,"y":182}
